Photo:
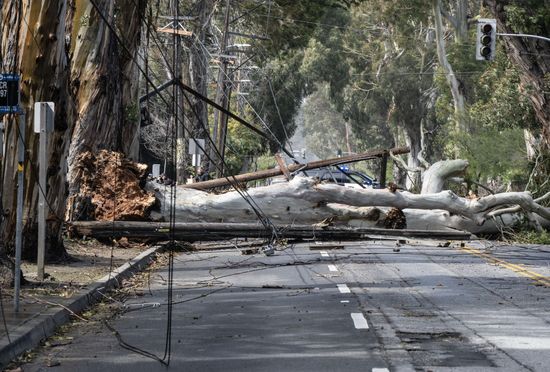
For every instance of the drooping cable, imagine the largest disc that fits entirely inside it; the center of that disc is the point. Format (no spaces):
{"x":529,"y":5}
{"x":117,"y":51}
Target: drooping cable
{"x":261,"y":216}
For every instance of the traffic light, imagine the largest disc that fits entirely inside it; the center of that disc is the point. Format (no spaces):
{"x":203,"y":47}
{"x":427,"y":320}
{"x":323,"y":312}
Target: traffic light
{"x":486,"y":39}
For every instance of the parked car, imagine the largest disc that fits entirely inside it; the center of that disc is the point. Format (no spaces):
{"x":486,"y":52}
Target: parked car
{"x":343,"y":178}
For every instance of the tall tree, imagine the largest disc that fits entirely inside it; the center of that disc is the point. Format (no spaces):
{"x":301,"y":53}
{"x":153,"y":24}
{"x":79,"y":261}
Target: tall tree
{"x":67,"y":53}
{"x":531,"y":55}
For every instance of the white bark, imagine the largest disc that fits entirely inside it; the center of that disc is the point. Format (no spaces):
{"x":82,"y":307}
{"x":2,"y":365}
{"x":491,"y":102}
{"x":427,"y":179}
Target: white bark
{"x":531,"y":144}
{"x":458,"y":97}
{"x":303,"y":200}
{"x":434,"y":178}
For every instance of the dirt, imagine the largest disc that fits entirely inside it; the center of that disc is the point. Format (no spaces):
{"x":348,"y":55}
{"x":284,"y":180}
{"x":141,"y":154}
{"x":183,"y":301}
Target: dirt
{"x":91,"y":260}
{"x":110,"y":187}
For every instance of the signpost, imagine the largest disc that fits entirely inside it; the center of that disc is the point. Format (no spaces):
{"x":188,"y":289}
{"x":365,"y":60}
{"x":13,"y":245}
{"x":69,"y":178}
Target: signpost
{"x":196,"y":147}
{"x":43,"y":124}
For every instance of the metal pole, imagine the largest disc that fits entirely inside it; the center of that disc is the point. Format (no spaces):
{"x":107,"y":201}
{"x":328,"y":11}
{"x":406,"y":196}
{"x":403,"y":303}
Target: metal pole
{"x":383,"y":169}
{"x":525,"y":35}
{"x":42,"y":167}
{"x":19,"y":213}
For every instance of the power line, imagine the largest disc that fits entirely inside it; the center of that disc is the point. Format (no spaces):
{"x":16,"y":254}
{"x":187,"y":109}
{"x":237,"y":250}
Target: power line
{"x":231,"y":179}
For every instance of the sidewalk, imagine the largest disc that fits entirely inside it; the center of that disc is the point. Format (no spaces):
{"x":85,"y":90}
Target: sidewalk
{"x":69,"y":288}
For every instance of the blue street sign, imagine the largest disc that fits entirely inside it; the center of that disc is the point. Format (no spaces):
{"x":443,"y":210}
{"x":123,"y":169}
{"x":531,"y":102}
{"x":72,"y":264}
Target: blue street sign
{"x":9,"y":94}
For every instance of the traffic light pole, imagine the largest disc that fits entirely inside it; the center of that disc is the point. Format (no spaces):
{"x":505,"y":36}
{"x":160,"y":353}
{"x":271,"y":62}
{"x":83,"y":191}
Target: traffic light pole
{"x":525,"y":35}
{"x":486,"y":38}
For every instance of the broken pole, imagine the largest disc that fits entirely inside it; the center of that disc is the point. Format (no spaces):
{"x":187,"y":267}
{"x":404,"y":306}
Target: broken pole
{"x":247,"y":177}
{"x":383,"y":170}
{"x":207,"y":231}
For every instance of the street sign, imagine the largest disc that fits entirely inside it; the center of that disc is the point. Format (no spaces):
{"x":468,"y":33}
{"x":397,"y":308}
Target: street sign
{"x":44,"y":113}
{"x":9,"y":93}
{"x":156,"y":170}
{"x":196,"y":146}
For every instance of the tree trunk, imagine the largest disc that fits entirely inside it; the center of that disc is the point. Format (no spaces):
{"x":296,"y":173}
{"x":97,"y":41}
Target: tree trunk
{"x":454,"y":84}
{"x":434,"y":177}
{"x":532,"y":58}
{"x":412,"y":139}
{"x":195,"y":75}
{"x":37,"y":53}
{"x":66,"y":54}
{"x":303,"y":200}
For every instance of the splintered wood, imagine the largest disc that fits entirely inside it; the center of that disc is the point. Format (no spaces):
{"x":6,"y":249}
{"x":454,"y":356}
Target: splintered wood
{"x":110,"y":188}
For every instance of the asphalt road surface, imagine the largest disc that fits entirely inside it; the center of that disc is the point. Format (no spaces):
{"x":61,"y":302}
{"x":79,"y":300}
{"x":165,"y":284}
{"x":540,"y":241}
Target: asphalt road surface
{"x":367,"y":306}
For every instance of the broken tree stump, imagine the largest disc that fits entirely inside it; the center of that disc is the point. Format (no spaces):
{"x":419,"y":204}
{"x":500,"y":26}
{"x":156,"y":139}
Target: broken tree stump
{"x":110,"y":187}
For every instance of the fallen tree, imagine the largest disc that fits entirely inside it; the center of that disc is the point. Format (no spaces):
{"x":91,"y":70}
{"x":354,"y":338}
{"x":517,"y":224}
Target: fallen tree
{"x":306,"y":200}
{"x":112,"y":189}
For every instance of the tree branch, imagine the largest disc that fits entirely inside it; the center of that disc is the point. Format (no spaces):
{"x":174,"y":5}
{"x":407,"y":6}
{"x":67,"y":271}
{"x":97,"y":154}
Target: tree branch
{"x":449,"y":17}
{"x":401,"y":164}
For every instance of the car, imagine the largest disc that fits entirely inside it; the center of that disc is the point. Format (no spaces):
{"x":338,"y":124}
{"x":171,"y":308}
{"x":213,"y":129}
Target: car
{"x":346,"y":178}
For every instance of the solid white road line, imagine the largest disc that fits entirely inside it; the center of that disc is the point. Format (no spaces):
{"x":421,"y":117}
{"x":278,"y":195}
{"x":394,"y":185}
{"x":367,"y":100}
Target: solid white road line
{"x":324,"y":253}
{"x":343,"y":288}
{"x":359,"y":321}
{"x":332,"y":268}
{"x":380,"y":370}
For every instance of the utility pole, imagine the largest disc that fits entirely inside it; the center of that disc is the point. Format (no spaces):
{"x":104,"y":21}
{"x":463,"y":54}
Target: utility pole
{"x":223,"y":94}
{"x":177,"y":31}
{"x":178,"y":117}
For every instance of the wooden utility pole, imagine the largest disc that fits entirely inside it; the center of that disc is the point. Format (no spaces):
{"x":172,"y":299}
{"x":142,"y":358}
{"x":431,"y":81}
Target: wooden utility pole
{"x":223,"y":95}
{"x":208,"y":231}
{"x":247,"y":177}
{"x":179,"y":128}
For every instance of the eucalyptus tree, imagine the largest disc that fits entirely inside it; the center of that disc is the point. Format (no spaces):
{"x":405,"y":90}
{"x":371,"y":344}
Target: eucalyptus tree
{"x":69,"y":53}
{"x":531,"y":55}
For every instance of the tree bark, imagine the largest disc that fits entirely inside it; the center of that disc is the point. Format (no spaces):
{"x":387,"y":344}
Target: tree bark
{"x":66,"y":54}
{"x":37,"y":52}
{"x":303,"y":200}
{"x":434,"y":177}
{"x":454,"y":84}
{"x":531,"y":57}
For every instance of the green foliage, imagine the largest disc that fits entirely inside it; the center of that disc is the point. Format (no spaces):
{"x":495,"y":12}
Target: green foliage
{"x":280,"y":79}
{"x":324,"y":126}
{"x":539,"y":169}
{"x":241,"y":143}
{"x":290,"y":26}
{"x":528,"y":16}
{"x":495,"y":153}
{"x":373,"y":65}
{"x":500,"y":101}
{"x":531,"y":237}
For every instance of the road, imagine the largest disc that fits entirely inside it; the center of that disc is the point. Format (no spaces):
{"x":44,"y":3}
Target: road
{"x":367,"y":306}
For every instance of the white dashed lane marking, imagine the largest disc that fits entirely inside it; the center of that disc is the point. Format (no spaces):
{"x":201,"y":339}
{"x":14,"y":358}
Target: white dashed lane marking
{"x":359,"y":321}
{"x":380,"y":370}
{"x":332,"y":268}
{"x":344,"y":301}
{"x":343,"y":288}
{"x":324,"y":253}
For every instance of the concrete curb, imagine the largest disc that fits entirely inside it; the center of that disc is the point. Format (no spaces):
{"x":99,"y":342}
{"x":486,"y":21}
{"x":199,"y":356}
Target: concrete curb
{"x":43,"y":325}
